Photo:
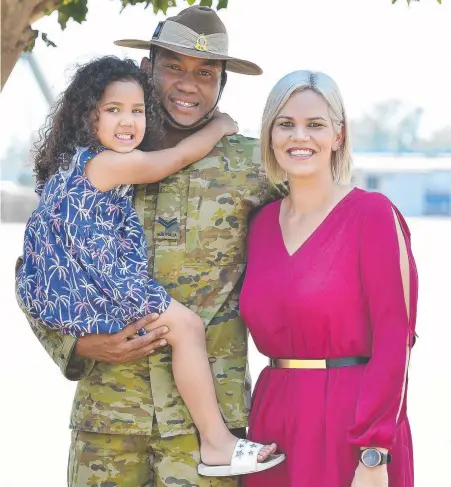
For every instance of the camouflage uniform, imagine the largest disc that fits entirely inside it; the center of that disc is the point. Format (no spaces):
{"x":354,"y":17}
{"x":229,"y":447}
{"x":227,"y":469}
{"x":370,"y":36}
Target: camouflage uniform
{"x":195,"y":222}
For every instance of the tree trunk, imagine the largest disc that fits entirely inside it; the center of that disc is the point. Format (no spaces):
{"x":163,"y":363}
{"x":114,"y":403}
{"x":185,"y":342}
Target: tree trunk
{"x":16,"y":32}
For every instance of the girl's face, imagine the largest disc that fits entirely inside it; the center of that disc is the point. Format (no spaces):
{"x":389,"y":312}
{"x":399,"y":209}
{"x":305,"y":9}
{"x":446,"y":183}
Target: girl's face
{"x":303,"y":136}
{"x":122,"y":120}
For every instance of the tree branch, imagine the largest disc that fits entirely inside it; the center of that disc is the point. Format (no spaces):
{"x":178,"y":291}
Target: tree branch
{"x":43,"y":7}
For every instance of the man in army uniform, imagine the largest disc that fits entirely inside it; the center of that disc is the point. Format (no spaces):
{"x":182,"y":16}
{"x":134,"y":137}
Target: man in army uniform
{"x":130,"y":425}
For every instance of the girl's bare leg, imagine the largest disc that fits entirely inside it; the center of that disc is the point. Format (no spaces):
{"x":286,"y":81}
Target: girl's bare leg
{"x":192,"y":375}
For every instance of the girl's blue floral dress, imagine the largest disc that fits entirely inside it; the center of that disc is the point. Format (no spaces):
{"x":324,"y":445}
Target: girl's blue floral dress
{"x":85,"y":257}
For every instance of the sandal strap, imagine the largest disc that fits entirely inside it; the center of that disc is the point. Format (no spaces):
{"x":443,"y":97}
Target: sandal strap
{"x":245,"y":457}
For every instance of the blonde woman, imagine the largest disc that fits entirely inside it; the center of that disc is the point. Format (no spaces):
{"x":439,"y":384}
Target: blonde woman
{"x":334,"y":267}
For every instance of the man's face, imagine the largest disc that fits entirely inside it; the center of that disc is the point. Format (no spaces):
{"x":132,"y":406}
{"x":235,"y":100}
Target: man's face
{"x":188,"y":87}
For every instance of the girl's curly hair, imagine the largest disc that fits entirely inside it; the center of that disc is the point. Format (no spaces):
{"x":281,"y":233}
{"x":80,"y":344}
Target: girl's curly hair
{"x":72,"y":118}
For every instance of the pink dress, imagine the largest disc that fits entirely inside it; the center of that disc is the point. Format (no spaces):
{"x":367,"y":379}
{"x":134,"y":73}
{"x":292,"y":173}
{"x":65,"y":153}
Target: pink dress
{"x":339,"y":295}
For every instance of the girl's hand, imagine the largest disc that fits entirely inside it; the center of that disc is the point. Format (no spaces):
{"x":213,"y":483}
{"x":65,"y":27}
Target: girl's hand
{"x":370,"y":477}
{"x":227,"y":124}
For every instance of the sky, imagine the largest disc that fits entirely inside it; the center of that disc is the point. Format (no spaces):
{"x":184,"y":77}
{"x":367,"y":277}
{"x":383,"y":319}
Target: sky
{"x":373,"y":49}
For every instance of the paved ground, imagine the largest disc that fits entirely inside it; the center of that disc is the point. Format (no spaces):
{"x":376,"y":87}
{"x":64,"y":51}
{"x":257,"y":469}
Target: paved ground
{"x":35,"y":399}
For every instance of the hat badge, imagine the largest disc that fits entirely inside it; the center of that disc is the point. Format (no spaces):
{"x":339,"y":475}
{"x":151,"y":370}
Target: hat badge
{"x":201,"y":43}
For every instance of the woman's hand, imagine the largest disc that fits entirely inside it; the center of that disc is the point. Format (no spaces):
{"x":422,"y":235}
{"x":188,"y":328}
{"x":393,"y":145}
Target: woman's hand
{"x":370,"y":477}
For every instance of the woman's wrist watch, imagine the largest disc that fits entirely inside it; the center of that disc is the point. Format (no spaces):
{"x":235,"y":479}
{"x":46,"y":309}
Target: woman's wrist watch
{"x":371,"y":457}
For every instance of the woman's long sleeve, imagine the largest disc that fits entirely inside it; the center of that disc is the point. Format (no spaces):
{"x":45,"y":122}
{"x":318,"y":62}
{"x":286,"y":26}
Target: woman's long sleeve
{"x":383,"y":386}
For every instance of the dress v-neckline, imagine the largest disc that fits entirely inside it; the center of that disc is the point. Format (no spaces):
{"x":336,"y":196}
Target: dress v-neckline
{"x":316,"y":230}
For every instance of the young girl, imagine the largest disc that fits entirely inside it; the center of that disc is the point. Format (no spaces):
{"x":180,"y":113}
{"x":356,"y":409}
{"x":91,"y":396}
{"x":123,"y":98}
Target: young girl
{"x":85,"y":259}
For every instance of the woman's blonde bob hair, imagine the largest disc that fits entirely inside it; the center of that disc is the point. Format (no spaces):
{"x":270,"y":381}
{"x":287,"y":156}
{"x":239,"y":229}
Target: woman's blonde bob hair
{"x":326,"y":87}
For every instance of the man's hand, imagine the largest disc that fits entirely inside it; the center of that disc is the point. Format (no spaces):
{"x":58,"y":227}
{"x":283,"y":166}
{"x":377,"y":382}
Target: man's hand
{"x":124,"y":346}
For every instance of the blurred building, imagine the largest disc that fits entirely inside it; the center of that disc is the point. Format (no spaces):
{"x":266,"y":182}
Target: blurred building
{"x":417,"y":185}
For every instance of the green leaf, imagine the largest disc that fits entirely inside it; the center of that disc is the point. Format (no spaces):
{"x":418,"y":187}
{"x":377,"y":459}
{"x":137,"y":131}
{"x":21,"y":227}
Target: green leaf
{"x":126,"y":3}
{"x":29,"y":47}
{"x":47,"y":41}
{"x":77,"y":9}
{"x":72,"y":9}
{"x":172,"y":3}
{"x":136,"y":2}
{"x":162,"y":5}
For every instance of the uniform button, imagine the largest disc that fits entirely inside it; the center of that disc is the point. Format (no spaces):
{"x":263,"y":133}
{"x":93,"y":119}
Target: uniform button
{"x":212,"y":360}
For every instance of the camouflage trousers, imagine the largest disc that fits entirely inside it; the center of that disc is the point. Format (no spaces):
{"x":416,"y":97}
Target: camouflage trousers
{"x":102,"y":460}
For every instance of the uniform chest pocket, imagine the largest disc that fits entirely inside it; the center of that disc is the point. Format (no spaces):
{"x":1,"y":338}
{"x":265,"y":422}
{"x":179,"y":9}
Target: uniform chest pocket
{"x":167,"y":225}
{"x":219,"y":203}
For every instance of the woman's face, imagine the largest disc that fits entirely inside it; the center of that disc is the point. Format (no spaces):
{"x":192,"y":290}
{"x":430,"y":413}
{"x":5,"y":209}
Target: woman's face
{"x":303,"y":136}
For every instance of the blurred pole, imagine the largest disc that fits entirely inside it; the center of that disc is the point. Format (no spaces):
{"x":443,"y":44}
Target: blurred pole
{"x":38,"y":75}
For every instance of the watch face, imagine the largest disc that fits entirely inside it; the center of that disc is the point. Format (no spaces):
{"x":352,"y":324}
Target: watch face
{"x":371,"y":458}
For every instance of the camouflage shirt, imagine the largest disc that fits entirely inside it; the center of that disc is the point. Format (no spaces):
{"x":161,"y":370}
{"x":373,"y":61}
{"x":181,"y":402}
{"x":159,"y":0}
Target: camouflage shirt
{"x":195,"y":222}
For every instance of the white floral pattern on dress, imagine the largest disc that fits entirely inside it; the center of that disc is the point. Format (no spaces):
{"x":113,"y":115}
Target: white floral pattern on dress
{"x":85,"y":257}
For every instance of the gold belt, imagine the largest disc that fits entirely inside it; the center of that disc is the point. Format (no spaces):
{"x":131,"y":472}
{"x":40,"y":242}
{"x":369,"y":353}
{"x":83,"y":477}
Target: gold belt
{"x":291,"y":363}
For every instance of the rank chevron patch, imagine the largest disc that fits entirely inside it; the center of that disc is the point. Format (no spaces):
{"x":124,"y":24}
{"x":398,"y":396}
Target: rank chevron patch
{"x":167,"y":223}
